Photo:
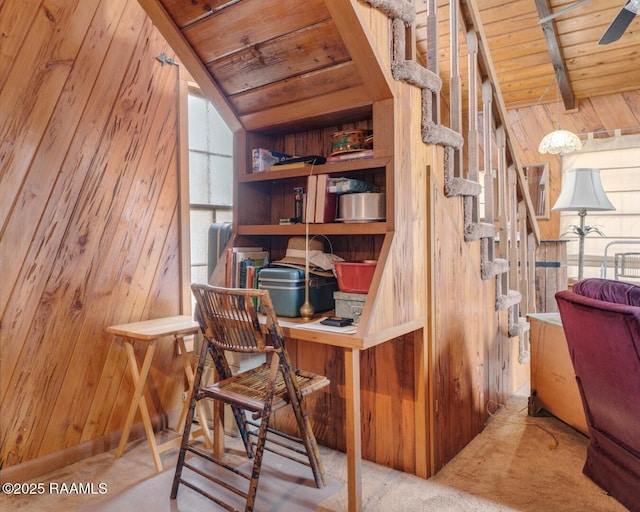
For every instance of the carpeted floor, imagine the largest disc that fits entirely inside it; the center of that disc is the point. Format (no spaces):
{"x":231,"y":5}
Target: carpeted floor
{"x":517,"y":463}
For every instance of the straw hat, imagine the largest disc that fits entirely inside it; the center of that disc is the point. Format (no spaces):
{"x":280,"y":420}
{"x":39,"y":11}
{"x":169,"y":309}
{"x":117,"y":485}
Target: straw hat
{"x":320,"y":263}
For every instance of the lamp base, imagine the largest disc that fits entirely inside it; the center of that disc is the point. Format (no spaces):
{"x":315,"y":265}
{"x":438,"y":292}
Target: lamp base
{"x":306,"y":310}
{"x":582,"y":214}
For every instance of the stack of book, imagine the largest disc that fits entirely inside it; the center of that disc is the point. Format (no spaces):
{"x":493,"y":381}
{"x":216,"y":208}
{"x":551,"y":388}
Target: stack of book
{"x":243,"y":264}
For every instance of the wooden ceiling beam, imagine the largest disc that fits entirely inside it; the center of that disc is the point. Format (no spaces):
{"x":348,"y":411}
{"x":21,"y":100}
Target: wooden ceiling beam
{"x":555,"y":51}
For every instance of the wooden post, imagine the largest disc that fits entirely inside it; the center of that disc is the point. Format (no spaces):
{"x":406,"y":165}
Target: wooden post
{"x":551,"y":274}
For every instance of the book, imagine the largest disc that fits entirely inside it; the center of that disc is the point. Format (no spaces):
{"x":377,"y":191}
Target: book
{"x":254,"y":256}
{"x":246,"y":249}
{"x":326,"y":202}
{"x":293,"y":165}
{"x":355,"y":155}
{"x":298,"y":199}
{"x":242,"y":274}
{"x":308,"y":160}
{"x":247,"y":276}
{"x":252,"y":280}
{"x":251,"y":276}
{"x":310,"y":207}
{"x":244,"y":259}
{"x":228,"y":267}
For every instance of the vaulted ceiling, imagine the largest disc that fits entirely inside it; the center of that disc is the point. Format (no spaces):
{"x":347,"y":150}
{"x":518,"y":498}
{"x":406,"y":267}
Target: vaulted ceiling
{"x":525,"y":52}
{"x":273,"y":65}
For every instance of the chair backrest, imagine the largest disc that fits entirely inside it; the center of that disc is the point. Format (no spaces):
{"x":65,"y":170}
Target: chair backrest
{"x":229,"y":318}
{"x":604,"y":344}
{"x":607,"y":290}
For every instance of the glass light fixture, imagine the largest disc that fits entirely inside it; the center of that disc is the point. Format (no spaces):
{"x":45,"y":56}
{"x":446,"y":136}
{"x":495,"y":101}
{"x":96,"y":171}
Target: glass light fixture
{"x":560,"y":141}
{"x":581,"y":191}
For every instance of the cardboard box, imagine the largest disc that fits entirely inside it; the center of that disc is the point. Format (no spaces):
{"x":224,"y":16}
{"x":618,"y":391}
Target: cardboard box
{"x":553,"y":382}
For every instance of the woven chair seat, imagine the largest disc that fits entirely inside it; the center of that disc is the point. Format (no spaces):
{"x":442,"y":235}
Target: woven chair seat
{"x":250,"y":387}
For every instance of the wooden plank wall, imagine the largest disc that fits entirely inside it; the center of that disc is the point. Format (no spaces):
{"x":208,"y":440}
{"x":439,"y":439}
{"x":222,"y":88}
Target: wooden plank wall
{"x":89,"y":218}
{"x":474,"y":361}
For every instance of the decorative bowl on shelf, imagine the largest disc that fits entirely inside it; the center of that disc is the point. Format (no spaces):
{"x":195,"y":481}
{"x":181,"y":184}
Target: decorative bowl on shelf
{"x":347,"y":141}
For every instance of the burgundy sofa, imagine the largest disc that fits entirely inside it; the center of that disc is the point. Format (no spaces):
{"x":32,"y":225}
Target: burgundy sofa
{"x":601,"y":321}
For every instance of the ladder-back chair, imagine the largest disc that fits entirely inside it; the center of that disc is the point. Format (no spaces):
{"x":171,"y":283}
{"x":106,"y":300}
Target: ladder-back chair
{"x":230,"y":322}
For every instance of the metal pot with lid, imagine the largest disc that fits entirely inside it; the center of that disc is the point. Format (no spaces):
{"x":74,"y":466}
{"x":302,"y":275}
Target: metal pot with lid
{"x":361,"y":207}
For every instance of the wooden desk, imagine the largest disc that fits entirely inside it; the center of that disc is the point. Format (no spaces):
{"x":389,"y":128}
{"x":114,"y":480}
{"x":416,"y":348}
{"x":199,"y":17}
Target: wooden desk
{"x":353,"y":345}
{"x":149,"y":332}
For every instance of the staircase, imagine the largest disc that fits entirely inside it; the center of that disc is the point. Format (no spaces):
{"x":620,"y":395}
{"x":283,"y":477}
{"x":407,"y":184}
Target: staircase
{"x":504,"y":234}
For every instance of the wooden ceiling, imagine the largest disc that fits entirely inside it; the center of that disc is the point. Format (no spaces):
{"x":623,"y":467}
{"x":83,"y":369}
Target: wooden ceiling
{"x":270,"y":59}
{"x":522,"y":58}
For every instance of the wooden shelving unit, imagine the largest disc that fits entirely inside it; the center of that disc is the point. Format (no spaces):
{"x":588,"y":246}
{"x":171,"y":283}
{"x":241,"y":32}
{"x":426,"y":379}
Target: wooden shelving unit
{"x":263,"y":198}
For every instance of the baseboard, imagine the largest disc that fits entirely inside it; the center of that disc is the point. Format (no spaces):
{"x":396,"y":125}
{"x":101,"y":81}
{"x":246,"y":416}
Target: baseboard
{"x":42,"y":465}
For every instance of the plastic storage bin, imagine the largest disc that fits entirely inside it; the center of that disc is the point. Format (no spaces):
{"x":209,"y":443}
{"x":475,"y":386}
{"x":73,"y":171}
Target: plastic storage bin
{"x":286,"y":288}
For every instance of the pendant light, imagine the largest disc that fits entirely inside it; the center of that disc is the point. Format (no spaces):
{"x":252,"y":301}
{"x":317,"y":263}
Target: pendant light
{"x":559,"y":141}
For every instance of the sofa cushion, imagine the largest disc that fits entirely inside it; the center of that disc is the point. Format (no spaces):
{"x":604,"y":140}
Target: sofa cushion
{"x":609,"y":291}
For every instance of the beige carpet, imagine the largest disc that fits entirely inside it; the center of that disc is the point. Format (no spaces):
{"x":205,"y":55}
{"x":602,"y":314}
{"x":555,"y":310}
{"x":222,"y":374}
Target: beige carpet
{"x":284,"y":487}
{"x":517,"y":463}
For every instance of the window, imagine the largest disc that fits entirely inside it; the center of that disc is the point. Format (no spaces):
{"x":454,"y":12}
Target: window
{"x":210,"y":177}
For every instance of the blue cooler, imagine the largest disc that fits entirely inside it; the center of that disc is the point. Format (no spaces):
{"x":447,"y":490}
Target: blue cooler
{"x":286,"y":288}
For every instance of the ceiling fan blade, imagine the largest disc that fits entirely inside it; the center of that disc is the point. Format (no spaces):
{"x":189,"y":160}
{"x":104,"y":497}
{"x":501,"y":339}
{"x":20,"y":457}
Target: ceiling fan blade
{"x":618,"y":25}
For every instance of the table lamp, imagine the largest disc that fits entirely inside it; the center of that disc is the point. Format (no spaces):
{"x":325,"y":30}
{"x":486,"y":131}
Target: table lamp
{"x":582,"y":191}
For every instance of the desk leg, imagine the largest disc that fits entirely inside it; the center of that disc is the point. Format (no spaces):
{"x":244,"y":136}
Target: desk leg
{"x":139,"y":380}
{"x":424,"y":459}
{"x":188,"y":370}
{"x":353,"y":429}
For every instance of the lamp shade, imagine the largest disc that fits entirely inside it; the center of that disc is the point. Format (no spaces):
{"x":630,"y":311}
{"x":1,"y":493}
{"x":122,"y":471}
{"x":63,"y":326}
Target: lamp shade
{"x":560,"y":142}
{"x":582,"y":189}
